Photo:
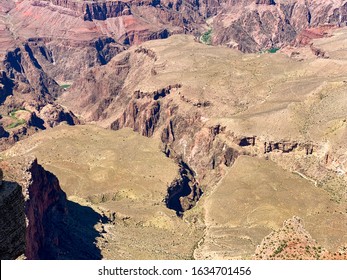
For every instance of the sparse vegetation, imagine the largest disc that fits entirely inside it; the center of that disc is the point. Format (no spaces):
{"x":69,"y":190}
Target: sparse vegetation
{"x":65,"y":86}
{"x":280,"y":248}
{"x":206,"y":38}
{"x":272,"y":50}
{"x":16,"y":121}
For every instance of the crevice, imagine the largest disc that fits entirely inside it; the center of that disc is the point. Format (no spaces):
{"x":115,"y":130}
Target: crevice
{"x":184,"y":192}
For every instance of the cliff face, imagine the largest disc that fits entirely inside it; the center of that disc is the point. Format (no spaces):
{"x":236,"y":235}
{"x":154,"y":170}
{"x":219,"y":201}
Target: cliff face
{"x":45,"y":210}
{"x":12,"y":221}
{"x":33,"y":210}
{"x":25,"y":87}
{"x":252,"y":26}
{"x":37,"y":221}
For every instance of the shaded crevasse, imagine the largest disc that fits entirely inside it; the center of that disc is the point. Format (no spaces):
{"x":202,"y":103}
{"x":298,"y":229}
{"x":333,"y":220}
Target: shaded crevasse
{"x":184,"y":192}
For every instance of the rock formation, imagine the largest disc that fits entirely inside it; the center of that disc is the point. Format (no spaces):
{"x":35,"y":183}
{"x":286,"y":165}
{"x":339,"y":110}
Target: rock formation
{"x":292,"y":241}
{"x":34,"y":206}
{"x":262,"y":25}
{"x":12,"y":222}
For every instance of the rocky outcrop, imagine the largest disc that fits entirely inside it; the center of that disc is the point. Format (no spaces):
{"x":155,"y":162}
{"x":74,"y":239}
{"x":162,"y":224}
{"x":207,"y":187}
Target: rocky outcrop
{"x":142,"y":117}
{"x":65,"y":60}
{"x":12,"y":221}
{"x":26,"y":75}
{"x":25,"y":86}
{"x":184,"y":192}
{"x":38,"y":208}
{"x":145,"y":111}
{"x":318,"y":52}
{"x":285,"y":146}
{"x":45,"y":208}
{"x":102,"y":11}
{"x":293,"y":242}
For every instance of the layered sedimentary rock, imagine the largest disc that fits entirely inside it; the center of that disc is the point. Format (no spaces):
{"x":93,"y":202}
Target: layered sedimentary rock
{"x":262,"y":25}
{"x":25,"y":87}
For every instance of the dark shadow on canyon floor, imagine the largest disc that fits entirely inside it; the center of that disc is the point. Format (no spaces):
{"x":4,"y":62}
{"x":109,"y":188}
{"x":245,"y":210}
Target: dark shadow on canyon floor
{"x":78,"y":235}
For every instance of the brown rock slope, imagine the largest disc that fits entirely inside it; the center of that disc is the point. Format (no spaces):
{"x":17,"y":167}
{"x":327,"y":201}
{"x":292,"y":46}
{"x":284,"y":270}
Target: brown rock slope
{"x":254,"y":199}
{"x":250,"y":25}
{"x":292,"y":241}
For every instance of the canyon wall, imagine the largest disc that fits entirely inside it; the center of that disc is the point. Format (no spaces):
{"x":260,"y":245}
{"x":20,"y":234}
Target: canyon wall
{"x":33,"y":208}
{"x":12,"y":221}
{"x":252,"y":26}
{"x":26,"y":87}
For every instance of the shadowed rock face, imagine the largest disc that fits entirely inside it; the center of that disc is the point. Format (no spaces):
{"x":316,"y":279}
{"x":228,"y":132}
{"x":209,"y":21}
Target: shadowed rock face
{"x":38,"y":221}
{"x":184,"y":192}
{"x":12,"y":222}
{"x":45,"y":208}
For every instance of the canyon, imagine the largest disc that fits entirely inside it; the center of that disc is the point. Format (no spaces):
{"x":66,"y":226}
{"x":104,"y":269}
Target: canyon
{"x":173,"y":129}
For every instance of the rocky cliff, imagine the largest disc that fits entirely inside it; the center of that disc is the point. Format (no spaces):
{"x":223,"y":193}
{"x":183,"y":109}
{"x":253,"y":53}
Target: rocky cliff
{"x":251,"y":26}
{"x":28,"y":94}
{"x":33,"y":208}
{"x":12,"y":221}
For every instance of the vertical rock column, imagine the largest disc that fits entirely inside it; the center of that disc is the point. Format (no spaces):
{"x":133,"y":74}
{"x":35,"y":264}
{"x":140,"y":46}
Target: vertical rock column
{"x":12,"y":220}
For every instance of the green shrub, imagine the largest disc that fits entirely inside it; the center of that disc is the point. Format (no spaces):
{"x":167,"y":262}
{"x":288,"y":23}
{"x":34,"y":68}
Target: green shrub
{"x":206,"y":37}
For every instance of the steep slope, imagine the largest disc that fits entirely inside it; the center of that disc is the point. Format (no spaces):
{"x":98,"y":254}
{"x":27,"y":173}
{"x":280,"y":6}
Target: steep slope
{"x":254,"y":199}
{"x":251,"y":26}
